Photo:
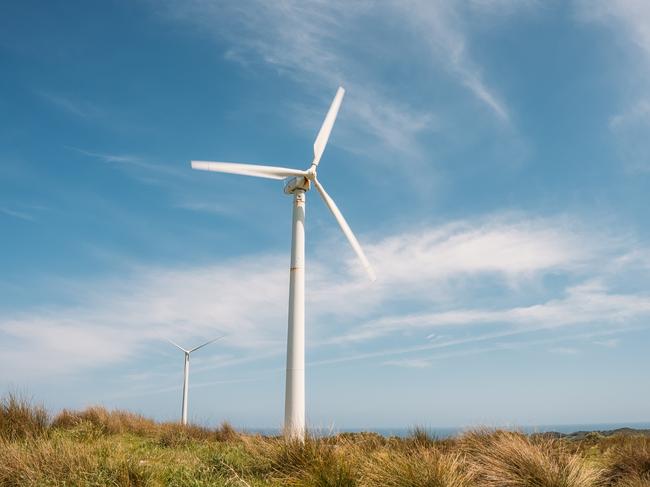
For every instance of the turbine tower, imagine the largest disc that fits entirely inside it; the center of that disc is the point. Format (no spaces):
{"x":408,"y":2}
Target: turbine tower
{"x":298,"y":184}
{"x":186,"y":374}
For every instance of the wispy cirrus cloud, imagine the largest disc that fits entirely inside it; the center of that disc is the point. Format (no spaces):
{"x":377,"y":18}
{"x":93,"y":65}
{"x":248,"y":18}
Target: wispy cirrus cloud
{"x":631,"y":128}
{"x":313,"y":43}
{"x":28,"y":212}
{"x":206,"y":207}
{"x":629,"y":21}
{"x":630,"y":18}
{"x":21,"y":215}
{"x":496,"y":341}
{"x":172,"y":177}
{"x":319,"y":45}
{"x":442,"y":28}
{"x":410,"y":363}
{"x":134,"y":161}
{"x":77,"y":107}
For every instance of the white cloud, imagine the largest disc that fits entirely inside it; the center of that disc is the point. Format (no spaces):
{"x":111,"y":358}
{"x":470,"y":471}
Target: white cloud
{"x":246,"y":298}
{"x":505,"y":247}
{"x":432,"y":264}
{"x":583,"y":304}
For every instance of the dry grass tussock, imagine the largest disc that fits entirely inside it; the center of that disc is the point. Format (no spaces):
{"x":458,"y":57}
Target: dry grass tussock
{"x":314,"y":462}
{"x":628,"y":463}
{"x":97,"y":447}
{"x":105,"y":421}
{"x":55,"y":461}
{"x":416,"y":467}
{"x":19,"y":418}
{"x":114,"y":422}
{"x":509,"y":459}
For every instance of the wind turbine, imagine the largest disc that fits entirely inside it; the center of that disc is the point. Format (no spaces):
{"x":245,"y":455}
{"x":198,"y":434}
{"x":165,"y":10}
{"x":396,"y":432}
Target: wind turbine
{"x":300,"y":181}
{"x":186,"y":373}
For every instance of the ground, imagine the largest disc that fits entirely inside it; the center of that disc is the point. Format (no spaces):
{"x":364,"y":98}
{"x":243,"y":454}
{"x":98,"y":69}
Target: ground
{"x":96,"y":447}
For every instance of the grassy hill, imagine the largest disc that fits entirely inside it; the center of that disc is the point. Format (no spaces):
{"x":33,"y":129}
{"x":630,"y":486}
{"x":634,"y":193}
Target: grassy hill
{"x":96,"y":447}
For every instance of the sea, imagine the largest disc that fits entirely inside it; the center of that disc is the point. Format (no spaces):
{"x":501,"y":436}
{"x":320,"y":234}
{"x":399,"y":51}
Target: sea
{"x":455,"y":431}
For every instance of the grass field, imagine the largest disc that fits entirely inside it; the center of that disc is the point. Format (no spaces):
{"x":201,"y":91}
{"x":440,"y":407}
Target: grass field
{"x":98,"y":447}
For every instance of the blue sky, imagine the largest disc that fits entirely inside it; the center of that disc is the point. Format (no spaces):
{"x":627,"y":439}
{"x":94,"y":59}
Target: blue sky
{"x":492,"y":156}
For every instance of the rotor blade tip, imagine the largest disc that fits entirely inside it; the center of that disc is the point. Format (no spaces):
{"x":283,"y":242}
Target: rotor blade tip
{"x":370,"y":272}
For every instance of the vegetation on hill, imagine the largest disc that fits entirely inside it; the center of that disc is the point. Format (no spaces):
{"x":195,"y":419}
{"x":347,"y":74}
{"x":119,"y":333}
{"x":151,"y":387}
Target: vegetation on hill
{"x":96,"y":447}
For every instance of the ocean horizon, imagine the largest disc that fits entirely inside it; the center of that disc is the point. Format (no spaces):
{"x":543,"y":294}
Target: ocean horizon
{"x":448,"y":432}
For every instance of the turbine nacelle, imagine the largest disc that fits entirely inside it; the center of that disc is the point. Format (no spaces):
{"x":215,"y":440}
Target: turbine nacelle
{"x":298,"y":183}
{"x":301,"y":182}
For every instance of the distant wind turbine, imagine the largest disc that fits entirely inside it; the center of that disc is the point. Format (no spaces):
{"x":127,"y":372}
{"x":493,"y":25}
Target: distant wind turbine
{"x":186,"y":373}
{"x":300,"y":181}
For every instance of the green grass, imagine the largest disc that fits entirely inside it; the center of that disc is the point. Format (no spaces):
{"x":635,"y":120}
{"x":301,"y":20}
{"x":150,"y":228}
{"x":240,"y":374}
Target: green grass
{"x":97,"y":447}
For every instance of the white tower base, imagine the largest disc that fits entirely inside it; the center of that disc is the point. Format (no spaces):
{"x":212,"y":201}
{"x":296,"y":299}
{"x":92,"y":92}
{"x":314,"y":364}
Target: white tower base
{"x":294,"y":405}
{"x":185,"y":387}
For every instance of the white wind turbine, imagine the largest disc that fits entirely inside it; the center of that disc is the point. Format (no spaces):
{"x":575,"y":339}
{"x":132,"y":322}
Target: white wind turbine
{"x":300,"y":181}
{"x":186,"y":373}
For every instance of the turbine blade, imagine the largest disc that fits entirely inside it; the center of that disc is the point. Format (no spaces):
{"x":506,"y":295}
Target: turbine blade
{"x":326,"y":128}
{"x":176,"y":345}
{"x":269,"y":172}
{"x":206,"y":343}
{"x":346,"y":229}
